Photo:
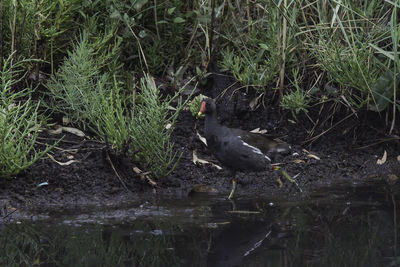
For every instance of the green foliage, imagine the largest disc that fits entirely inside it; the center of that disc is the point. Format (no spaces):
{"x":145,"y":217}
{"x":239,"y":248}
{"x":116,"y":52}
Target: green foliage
{"x":152,"y":128}
{"x":154,"y":33}
{"x":195,"y":104}
{"x":19,"y":123}
{"x":107,"y":116}
{"x":296,"y":101}
{"x":78,"y":80}
{"x":88,"y":97}
{"x":40,"y":29}
{"x":247,"y":71}
{"x":254,"y":54}
{"x":94,"y":101}
{"x":351,"y":64}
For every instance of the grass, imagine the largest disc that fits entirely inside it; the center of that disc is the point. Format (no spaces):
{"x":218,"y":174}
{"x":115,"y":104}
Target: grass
{"x":19,"y":123}
{"x":153,"y":124}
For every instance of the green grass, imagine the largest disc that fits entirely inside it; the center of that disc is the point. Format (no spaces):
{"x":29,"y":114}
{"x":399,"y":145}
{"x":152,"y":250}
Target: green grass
{"x":19,"y":123}
{"x":153,"y":123}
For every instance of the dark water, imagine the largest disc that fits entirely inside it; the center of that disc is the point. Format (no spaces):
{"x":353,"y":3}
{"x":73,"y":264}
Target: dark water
{"x":344,"y":226}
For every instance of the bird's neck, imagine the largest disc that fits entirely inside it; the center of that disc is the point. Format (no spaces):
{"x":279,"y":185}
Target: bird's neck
{"x":211,"y":122}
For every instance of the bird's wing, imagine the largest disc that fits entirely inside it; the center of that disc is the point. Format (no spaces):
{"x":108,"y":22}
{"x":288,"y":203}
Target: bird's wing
{"x":260,"y":141}
{"x":235,"y":147}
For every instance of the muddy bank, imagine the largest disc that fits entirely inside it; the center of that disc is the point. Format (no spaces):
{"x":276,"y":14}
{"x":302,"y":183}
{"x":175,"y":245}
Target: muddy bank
{"x":347,"y":149}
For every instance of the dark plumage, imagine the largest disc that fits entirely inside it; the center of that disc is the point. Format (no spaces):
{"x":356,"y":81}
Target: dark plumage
{"x":235,"y":149}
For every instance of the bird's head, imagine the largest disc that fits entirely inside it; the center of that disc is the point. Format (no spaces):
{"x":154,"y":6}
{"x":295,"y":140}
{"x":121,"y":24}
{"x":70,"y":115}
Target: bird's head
{"x":207,"y":107}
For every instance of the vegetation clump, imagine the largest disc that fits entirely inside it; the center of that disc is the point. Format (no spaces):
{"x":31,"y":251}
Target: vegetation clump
{"x":19,"y":123}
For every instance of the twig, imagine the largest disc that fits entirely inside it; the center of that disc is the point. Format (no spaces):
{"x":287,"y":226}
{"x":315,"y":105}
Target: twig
{"x":212,"y":29}
{"x":140,"y":47}
{"x":379,"y":142}
{"x":145,"y":176}
{"x":156,"y":19}
{"x":324,"y":132}
{"x":283,"y":54}
{"x":115,"y":171}
{"x":1,"y":33}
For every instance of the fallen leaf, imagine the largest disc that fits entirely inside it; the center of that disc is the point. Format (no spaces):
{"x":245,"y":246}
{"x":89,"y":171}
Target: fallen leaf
{"x":74,"y":131}
{"x":257,"y":130}
{"x":398,"y":158}
{"x":310,"y":155}
{"x":202,"y":139}
{"x":56,"y":131}
{"x":254,"y":102}
{"x":137,"y":170}
{"x":152,"y":83}
{"x":202,"y":161}
{"x":383,"y":159}
{"x":66,"y":121}
{"x":171,"y":108}
{"x":313,"y":156}
{"x":299,"y":161}
{"x":62,"y":163}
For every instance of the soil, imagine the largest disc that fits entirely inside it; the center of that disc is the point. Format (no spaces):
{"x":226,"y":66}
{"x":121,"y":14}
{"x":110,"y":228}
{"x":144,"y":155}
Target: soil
{"x":345,"y":148}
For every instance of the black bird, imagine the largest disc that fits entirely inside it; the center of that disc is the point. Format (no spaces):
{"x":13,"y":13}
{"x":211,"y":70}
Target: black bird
{"x":236,"y":149}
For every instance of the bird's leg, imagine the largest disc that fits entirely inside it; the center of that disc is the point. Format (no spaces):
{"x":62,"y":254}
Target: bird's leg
{"x":286,"y":175}
{"x":234,"y":185}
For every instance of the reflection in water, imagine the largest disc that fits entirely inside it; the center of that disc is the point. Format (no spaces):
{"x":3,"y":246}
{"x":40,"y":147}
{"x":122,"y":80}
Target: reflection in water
{"x":336,"y":228}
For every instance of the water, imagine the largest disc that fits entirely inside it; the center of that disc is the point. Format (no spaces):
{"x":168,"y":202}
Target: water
{"x":341,"y":226}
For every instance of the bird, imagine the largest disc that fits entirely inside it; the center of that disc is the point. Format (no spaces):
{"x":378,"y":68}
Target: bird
{"x":237,"y":150}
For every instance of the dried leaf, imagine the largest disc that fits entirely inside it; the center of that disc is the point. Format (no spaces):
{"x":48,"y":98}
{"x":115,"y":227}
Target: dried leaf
{"x":62,"y":163}
{"x":171,"y":108}
{"x":313,"y":156}
{"x":383,"y":159}
{"x":202,"y":161}
{"x":254,"y":102}
{"x":137,"y":170}
{"x":66,"y":121}
{"x":310,"y":155}
{"x":56,"y":131}
{"x":202,"y":139}
{"x":74,"y":131}
{"x":257,"y":130}
{"x":153,"y":83}
{"x":398,"y":158}
{"x":299,"y":161}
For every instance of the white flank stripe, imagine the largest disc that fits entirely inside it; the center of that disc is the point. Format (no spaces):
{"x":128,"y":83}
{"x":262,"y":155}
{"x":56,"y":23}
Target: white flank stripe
{"x":254,"y":149}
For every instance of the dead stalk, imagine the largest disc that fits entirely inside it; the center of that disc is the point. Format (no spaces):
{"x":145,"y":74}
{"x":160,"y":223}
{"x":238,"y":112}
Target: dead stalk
{"x":1,"y":33}
{"x":156,"y":19}
{"x":283,"y":53}
{"x":311,"y":140}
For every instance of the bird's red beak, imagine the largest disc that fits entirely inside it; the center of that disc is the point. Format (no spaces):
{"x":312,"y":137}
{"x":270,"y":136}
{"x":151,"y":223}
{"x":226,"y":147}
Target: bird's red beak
{"x":202,"y":108}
